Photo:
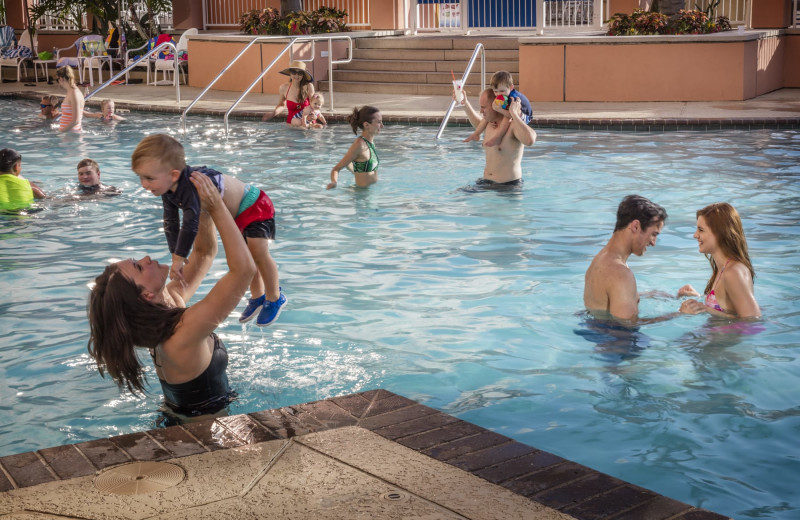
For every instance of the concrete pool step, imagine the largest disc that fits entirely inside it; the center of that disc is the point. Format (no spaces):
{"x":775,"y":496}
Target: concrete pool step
{"x":374,"y":454}
{"x":420,"y":66}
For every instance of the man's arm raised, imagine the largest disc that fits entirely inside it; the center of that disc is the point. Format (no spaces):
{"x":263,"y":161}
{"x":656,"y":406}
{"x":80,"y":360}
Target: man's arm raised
{"x":474,"y":117}
{"x":524,"y":134}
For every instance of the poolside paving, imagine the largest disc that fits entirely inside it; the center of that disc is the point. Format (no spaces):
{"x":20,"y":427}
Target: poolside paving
{"x":780,"y":108}
{"x":373,"y":454}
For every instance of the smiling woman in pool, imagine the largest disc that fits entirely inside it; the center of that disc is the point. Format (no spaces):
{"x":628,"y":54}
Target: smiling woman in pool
{"x":729,"y":291}
{"x":132,"y":305}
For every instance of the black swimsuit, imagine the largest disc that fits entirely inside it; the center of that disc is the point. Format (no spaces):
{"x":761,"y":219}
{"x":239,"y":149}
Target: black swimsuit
{"x":208,"y":393}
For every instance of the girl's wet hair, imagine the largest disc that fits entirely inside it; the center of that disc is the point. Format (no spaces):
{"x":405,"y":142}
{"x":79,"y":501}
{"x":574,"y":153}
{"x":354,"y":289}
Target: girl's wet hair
{"x":67,"y":74}
{"x":726,"y":225}
{"x":360,"y":116}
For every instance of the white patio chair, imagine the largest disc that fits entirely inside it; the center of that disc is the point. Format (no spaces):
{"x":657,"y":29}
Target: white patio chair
{"x":95,"y":57}
{"x":167,"y":67}
{"x":77,"y":60}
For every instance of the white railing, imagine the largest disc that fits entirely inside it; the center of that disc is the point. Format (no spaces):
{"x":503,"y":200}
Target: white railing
{"x":569,"y":13}
{"x":55,"y":22}
{"x":163,"y":19}
{"x":796,"y":17}
{"x":226,"y":13}
{"x":357,"y":10}
{"x":734,"y":10}
{"x":430,"y":15}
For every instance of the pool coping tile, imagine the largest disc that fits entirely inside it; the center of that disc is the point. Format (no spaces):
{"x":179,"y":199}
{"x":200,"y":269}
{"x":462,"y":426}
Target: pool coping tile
{"x":616,"y":124}
{"x":542,"y":477}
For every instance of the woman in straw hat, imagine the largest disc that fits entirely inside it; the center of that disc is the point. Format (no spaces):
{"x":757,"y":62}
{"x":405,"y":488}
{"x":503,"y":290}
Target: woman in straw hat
{"x":295,"y":93}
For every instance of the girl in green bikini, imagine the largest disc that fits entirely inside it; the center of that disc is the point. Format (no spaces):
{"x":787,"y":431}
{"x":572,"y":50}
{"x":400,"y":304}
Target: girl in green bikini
{"x":362,"y":153}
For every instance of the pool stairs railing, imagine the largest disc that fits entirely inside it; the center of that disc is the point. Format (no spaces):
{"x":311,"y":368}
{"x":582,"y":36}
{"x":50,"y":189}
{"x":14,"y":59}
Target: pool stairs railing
{"x":479,"y":50}
{"x":154,"y":52}
{"x":289,"y":48}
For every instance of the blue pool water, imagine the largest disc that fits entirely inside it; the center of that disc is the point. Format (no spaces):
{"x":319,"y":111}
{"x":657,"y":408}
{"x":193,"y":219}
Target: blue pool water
{"x":467,"y":302}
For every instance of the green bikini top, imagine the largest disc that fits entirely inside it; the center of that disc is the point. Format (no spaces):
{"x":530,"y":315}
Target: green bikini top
{"x":369,"y":165}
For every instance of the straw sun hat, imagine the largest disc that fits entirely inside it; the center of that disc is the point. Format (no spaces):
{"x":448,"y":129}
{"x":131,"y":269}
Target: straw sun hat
{"x":298,"y":66}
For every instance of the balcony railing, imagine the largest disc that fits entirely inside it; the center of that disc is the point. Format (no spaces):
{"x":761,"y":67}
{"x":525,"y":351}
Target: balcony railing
{"x":77,"y":21}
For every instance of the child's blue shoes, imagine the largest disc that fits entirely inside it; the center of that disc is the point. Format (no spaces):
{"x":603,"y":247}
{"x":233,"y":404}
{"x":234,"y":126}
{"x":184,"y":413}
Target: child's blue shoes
{"x":253,"y":306}
{"x":270,"y":311}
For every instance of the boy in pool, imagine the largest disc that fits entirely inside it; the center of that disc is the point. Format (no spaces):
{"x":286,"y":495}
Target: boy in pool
{"x":503,"y":85}
{"x":89,"y":180}
{"x":106,"y":112}
{"x":16,"y":192}
{"x":160,"y":163}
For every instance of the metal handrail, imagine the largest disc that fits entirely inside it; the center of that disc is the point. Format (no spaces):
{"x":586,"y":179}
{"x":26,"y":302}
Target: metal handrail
{"x":331,"y":63}
{"x":241,"y":53}
{"x":288,"y":47}
{"x":147,"y":57}
{"x":478,"y":48}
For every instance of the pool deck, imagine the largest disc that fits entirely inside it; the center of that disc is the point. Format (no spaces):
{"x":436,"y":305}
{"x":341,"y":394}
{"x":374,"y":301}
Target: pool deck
{"x":368,"y":455}
{"x":780,"y":108}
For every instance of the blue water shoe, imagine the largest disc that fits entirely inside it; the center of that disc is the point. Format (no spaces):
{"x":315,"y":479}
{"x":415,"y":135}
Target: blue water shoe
{"x":253,"y":306}
{"x":271,"y":311}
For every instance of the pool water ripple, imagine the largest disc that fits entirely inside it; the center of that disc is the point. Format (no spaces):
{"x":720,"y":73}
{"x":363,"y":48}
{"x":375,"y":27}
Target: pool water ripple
{"x":467,"y":301}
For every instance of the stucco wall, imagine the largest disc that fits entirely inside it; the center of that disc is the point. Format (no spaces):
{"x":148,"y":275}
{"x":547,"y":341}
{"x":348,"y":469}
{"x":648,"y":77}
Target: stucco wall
{"x":653,"y":69}
{"x":770,"y":66}
{"x":791,"y":61}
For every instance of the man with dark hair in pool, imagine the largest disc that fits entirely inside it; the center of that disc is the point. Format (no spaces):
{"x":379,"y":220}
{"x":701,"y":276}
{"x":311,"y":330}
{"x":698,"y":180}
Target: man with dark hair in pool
{"x":609,"y":284}
{"x":504,"y":161}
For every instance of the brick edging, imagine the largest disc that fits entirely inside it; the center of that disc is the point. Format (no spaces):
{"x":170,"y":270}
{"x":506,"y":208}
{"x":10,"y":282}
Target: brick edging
{"x":540,"y":476}
{"x":609,"y":124}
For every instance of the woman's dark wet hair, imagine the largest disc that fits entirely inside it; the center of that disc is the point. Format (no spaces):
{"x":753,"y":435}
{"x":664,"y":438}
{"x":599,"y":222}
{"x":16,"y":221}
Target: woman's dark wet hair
{"x":360,"y":116}
{"x":120,"y":320}
{"x":636,"y":207}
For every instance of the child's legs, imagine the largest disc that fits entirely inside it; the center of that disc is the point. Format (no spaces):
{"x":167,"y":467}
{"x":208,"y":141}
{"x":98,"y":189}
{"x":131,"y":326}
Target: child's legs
{"x":298,"y":122}
{"x":265,"y":280}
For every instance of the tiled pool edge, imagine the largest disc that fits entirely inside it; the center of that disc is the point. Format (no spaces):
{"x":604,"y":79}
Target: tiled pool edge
{"x":600,"y":124}
{"x":538,"y":475}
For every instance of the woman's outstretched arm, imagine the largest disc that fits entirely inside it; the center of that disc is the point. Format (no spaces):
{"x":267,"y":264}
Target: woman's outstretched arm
{"x":202,"y":318}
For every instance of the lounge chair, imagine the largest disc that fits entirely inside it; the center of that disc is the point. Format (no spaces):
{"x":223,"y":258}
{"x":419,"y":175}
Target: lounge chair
{"x":20,"y":55}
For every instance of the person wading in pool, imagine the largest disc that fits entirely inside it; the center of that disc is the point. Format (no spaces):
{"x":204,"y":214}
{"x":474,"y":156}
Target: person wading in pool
{"x":610,"y":286}
{"x":133,"y":304}
{"x":504,"y":161}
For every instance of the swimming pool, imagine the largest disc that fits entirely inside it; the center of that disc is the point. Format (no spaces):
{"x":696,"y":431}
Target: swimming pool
{"x":467,"y":302}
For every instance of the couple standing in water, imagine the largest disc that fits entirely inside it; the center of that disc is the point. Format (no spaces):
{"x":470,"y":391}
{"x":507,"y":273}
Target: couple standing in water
{"x":610,"y":286}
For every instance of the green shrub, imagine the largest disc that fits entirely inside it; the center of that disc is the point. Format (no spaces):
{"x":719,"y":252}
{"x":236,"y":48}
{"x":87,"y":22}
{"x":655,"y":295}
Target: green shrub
{"x":685,"y":22}
{"x":269,"y":21}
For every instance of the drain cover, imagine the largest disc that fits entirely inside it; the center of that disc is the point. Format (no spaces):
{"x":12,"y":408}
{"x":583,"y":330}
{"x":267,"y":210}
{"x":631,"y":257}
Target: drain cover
{"x":139,"y":478}
{"x":395,"y":496}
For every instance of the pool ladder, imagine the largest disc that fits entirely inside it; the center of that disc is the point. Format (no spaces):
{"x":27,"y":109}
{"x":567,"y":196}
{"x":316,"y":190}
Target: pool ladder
{"x":478,"y":49}
{"x":148,"y":55}
{"x":289,"y":48}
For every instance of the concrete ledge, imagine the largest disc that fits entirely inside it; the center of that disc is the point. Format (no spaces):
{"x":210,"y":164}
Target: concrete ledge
{"x":552,"y":487}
